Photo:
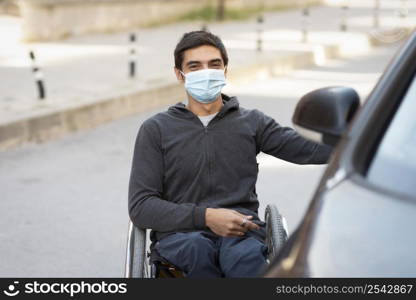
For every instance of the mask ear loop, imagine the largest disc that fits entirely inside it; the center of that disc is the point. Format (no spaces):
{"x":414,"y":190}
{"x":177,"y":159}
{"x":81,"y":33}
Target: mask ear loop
{"x":183,"y":74}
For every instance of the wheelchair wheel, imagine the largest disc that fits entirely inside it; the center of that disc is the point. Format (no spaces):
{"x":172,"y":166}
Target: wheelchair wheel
{"x":136,"y":261}
{"x":276,"y":231}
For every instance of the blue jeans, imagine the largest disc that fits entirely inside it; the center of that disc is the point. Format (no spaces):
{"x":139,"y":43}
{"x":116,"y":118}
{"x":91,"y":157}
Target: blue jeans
{"x":205,"y":255}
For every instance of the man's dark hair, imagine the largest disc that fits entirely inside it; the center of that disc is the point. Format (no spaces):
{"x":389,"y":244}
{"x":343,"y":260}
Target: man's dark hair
{"x":196,"y":39}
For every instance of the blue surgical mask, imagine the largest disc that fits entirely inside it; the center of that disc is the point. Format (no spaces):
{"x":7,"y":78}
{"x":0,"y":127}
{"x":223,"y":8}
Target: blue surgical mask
{"x":204,"y":85}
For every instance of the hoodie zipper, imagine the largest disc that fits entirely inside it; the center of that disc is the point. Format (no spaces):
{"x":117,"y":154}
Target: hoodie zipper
{"x":207,"y":146}
{"x":207,"y":151}
{"x":208,"y":154}
{"x":210,"y":180}
{"x":208,"y":159}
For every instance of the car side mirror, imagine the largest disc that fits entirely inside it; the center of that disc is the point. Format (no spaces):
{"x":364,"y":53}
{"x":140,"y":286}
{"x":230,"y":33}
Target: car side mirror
{"x":324,"y":114}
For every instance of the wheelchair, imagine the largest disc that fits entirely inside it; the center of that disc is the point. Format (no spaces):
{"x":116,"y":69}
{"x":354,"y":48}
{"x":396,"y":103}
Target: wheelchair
{"x":143,"y":263}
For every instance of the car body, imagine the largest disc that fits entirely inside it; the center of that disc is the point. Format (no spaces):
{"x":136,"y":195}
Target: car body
{"x":362,"y":218}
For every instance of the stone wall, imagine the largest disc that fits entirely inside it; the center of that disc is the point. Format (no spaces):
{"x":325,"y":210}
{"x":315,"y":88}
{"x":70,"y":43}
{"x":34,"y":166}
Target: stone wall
{"x":9,"y":7}
{"x":56,"y":19}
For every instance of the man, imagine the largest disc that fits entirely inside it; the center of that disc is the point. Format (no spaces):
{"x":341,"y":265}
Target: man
{"x":194,"y":169}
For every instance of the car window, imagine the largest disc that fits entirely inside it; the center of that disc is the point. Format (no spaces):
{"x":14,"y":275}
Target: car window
{"x":394,"y":164}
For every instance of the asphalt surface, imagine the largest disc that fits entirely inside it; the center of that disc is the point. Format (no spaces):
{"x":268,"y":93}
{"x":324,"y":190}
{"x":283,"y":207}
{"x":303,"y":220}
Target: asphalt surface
{"x":63,"y":204}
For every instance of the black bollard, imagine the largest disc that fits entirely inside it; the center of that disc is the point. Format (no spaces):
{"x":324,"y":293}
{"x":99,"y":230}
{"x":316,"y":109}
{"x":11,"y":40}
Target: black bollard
{"x":343,"y":26}
{"x":305,"y":23}
{"x":133,"y":56}
{"x":38,"y":76}
{"x":376,"y":15}
{"x":403,"y":9}
{"x":260,"y":21}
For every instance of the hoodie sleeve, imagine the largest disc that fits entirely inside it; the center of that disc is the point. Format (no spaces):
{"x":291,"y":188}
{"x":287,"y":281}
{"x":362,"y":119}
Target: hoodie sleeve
{"x":285,"y":143}
{"x":147,"y":208}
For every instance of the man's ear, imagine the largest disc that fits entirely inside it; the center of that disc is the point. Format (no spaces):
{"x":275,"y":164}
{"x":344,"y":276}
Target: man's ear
{"x":225,"y":71}
{"x":178,"y":74}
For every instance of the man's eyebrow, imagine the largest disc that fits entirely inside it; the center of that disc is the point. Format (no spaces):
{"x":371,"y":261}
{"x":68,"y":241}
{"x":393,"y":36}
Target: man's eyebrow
{"x":215,"y":60}
{"x":192,"y":62}
{"x":195,"y":62}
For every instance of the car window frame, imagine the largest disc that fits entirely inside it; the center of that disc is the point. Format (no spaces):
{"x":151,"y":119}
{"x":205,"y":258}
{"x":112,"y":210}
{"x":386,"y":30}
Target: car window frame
{"x":376,"y":115}
{"x":375,"y":159}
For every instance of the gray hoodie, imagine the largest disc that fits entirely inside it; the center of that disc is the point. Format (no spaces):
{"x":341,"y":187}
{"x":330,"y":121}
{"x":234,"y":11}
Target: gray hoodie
{"x":180,"y":167}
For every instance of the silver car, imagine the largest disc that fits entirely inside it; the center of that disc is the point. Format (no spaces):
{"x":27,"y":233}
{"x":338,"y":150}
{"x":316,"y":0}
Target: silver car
{"x":361,"y":221}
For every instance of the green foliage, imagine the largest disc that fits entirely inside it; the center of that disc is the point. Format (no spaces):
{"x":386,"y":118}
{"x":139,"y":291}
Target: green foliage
{"x":209,"y":13}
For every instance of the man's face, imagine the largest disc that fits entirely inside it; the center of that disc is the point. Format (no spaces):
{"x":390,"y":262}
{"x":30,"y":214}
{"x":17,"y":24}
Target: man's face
{"x":203,"y":57}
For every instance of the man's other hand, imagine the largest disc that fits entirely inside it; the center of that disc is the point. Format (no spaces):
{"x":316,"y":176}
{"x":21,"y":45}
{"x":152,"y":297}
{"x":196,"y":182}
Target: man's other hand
{"x":228,"y":222}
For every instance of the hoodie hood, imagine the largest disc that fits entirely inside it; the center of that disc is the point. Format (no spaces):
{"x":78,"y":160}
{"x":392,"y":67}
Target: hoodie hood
{"x":230,"y":103}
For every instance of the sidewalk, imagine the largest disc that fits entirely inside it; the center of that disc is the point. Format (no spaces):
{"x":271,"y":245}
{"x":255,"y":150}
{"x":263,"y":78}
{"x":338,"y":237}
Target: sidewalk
{"x":86,"y":77}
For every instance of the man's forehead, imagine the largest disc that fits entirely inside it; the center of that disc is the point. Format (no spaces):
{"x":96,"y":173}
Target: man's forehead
{"x":203,"y":54}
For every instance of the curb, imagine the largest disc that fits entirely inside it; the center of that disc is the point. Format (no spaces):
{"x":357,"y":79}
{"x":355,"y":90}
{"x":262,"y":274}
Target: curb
{"x":53,"y":125}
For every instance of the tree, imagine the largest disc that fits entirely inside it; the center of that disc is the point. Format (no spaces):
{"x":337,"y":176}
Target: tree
{"x":221,"y":10}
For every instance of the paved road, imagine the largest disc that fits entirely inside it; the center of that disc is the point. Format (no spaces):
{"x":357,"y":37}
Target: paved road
{"x":63,"y":204}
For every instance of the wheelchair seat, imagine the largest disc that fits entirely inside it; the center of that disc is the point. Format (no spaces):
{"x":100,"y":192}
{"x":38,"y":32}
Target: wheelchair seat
{"x":161,"y":268}
{"x":143,"y":263}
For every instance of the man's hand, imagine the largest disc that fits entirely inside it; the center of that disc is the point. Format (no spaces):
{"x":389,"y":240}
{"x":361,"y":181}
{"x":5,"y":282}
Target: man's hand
{"x":228,"y":223}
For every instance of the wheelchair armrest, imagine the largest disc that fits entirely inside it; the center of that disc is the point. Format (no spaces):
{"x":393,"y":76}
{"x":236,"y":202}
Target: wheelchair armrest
{"x":136,"y":252}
